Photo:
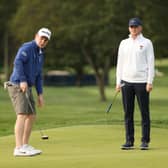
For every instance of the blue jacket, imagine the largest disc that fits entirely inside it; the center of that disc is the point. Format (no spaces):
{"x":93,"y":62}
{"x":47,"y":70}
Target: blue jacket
{"x":28,"y":66}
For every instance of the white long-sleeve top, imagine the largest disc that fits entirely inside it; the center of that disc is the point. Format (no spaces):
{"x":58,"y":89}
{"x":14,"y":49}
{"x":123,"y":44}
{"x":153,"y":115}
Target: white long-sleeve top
{"x":135,"y":62}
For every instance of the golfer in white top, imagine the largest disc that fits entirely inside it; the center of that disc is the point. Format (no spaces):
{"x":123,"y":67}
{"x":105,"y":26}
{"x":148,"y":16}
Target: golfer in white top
{"x":135,"y":68}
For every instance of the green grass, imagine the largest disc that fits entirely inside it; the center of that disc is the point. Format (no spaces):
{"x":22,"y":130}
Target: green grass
{"x":66,"y":106}
{"x":81,"y":134}
{"x":88,"y":147}
{"x":81,"y":106}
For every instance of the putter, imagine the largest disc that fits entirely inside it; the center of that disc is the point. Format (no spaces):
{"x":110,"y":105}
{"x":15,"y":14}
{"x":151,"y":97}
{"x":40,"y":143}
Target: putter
{"x":113,"y":100}
{"x":44,"y":137}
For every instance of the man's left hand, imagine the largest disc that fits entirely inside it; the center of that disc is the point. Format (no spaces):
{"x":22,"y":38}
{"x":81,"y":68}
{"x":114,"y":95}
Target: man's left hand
{"x":149,"y":87}
{"x":40,"y":100}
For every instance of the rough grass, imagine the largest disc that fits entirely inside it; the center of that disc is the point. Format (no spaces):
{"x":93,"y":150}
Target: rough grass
{"x":67,"y":106}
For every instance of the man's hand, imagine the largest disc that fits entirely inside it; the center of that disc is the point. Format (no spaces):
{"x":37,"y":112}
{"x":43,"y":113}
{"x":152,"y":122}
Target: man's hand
{"x":23,"y":86}
{"x":40,"y":100}
{"x":118,"y":88}
{"x":149,"y":87}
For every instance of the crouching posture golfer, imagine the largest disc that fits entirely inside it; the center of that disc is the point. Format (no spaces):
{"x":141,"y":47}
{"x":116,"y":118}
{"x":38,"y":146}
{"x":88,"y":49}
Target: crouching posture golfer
{"x":135,"y":68}
{"x":27,"y":72}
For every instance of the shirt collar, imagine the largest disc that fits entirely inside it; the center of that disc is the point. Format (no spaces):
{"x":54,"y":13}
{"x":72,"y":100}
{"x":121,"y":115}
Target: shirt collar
{"x":34,"y":44}
{"x":138,"y":37}
{"x":40,"y":50}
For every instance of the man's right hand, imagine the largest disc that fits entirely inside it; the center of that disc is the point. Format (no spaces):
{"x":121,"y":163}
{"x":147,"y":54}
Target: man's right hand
{"x":23,"y":86}
{"x":118,"y":88}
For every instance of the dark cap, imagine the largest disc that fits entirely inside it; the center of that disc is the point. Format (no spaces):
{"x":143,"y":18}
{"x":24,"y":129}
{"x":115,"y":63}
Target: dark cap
{"x":135,"y":22}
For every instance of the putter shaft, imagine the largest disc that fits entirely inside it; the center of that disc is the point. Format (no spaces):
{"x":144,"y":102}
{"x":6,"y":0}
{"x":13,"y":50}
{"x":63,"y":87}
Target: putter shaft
{"x":114,"y":98}
{"x":41,"y":133}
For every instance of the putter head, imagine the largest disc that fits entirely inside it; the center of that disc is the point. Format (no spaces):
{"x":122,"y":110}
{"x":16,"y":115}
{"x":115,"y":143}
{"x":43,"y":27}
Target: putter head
{"x":44,"y":137}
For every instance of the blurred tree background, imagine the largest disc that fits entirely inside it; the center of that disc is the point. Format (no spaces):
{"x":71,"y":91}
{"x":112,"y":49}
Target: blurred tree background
{"x":84,"y":33}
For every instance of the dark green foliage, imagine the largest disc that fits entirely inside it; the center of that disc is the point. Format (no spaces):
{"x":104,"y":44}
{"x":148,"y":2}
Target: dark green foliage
{"x":84,"y":33}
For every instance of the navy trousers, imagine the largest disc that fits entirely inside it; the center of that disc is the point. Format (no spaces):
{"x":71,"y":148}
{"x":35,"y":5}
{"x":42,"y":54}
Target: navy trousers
{"x":129,"y":92}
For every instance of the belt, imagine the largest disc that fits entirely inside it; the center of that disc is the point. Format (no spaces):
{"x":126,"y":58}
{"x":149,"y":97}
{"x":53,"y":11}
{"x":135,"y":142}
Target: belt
{"x":9,"y":84}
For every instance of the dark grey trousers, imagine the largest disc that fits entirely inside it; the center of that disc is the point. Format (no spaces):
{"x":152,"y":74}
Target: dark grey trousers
{"x":129,"y":92}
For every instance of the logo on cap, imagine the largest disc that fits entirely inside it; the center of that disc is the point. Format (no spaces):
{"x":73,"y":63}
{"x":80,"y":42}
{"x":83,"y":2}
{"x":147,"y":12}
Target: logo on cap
{"x":45,"y":32}
{"x":135,"y":22}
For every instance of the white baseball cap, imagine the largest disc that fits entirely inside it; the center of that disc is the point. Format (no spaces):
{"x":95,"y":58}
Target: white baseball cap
{"x":44,"y":32}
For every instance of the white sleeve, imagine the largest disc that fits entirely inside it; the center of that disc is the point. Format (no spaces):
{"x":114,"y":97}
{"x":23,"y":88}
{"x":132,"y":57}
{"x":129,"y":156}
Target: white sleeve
{"x":150,"y":58}
{"x":119,"y":65}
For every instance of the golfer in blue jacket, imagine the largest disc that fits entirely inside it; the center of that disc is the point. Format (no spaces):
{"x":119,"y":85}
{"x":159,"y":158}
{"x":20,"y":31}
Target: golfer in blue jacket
{"x":27,"y":72}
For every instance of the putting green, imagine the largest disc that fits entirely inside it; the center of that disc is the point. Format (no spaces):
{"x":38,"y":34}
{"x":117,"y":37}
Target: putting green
{"x":88,"y":147}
